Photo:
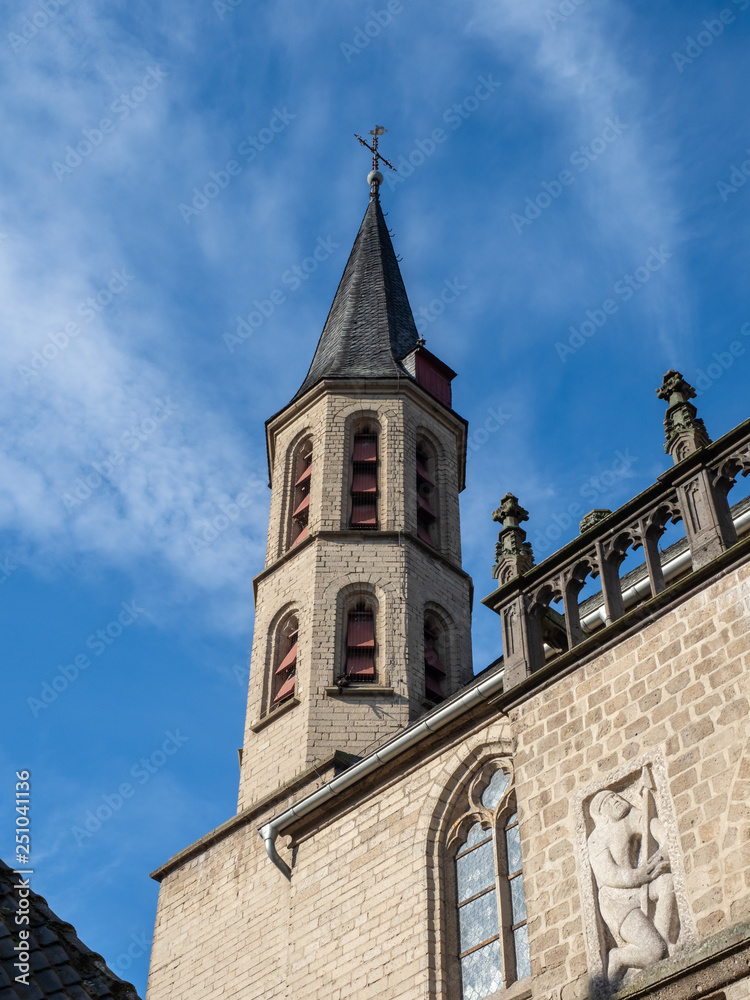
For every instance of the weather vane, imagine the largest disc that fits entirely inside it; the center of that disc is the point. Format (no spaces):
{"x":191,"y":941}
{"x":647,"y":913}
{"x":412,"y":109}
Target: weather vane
{"x":375,"y":178}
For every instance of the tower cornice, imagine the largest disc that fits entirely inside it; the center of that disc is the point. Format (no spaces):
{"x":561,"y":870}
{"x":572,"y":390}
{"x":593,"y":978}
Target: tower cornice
{"x":365,"y":537}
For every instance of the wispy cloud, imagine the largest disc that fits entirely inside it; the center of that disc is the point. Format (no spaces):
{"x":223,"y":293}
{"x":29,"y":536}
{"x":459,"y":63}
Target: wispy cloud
{"x":574,"y":77}
{"x":83,"y":365}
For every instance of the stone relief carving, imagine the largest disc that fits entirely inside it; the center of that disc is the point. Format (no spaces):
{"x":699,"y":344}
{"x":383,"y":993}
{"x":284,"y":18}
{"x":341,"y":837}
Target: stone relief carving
{"x":631,"y":875}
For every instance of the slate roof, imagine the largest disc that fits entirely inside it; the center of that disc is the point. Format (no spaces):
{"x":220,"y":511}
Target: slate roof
{"x":370,"y":327}
{"x":62,"y":967}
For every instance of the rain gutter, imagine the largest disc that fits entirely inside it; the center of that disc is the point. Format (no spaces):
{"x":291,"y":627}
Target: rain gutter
{"x":434,"y":722}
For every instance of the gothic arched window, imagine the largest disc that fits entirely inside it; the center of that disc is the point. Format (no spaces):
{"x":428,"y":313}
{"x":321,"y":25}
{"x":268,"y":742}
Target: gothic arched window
{"x":491,"y":938}
{"x":427,"y":494}
{"x":299,"y":506}
{"x":284,"y":670}
{"x":364,"y":488}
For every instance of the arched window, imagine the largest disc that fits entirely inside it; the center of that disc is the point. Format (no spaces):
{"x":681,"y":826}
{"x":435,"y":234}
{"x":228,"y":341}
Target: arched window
{"x":284,"y":675}
{"x":435,"y":658}
{"x":491,"y":938}
{"x":360,"y":653}
{"x":299,"y":506}
{"x":364,"y":488}
{"x":427,"y":498}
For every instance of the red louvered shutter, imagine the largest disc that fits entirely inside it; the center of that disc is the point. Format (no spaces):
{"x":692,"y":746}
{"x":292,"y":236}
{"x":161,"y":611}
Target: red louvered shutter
{"x":425,"y":507}
{"x":365,"y":481}
{"x":431,"y":657}
{"x":364,"y":490}
{"x":424,"y":474}
{"x":305,"y":475}
{"x":432,"y":687}
{"x":434,"y":671}
{"x":286,"y":690}
{"x":301,"y":536}
{"x":289,"y":660}
{"x":364,"y":513}
{"x":304,"y":504}
{"x":360,"y":645}
{"x":424,"y":534}
{"x":285,"y":673}
{"x":361,"y":631}
{"x":300,"y":499}
{"x":365,"y":448}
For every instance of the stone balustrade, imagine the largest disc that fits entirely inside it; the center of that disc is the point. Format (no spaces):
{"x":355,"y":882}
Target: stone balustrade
{"x":695,"y":491}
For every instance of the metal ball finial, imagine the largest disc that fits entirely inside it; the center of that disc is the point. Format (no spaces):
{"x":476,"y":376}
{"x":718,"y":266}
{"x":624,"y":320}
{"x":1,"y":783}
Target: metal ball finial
{"x":375,"y":178}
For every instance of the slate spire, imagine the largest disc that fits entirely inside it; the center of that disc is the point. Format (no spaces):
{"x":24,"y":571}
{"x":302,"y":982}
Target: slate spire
{"x":370,"y":327}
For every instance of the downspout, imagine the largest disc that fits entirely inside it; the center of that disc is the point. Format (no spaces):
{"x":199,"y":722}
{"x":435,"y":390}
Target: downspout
{"x":270,"y":841}
{"x":442,"y":717}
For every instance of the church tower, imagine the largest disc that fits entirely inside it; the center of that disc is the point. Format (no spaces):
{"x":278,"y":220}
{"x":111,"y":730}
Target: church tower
{"x":363,"y":611}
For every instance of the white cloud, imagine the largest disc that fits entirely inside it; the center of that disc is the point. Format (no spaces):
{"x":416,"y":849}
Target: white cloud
{"x":102,"y":392}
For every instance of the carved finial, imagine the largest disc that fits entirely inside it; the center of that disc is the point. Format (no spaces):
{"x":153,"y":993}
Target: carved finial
{"x":375,"y":178}
{"x":513,"y":554}
{"x":593,"y":517}
{"x":684,"y":431}
{"x":675,"y":389}
{"x":510,"y":513}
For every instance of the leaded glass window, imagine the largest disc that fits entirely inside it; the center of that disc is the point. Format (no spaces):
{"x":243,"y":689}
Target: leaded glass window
{"x":492,"y":939}
{"x":517,"y":898}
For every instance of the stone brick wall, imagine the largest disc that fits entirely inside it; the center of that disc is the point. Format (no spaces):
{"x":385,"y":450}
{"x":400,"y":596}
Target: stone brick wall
{"x":364,"y":912}
{"x":367,"y":912}
{"x":222,"y":926}
{"x":402,"y":573}
{"x":402,"y":411}
{"x":680,"y":686}
{"x":359,"y":918}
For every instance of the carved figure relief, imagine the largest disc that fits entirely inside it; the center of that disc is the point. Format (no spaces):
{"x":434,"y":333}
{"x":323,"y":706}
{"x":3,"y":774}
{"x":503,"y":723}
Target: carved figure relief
{"x":636,"y":908}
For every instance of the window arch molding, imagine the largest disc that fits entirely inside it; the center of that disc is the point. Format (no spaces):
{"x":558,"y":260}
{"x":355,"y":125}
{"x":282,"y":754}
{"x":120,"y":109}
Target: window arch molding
{"x":302,"y":444}
{"x":362,"y":502}
{"x":476,"y":858}
{"x":282,"y":640}
{"x":429,"y":486}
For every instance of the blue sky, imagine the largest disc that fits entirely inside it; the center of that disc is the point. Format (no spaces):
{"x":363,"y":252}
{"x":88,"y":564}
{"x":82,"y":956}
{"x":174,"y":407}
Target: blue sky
{"x":549,"y":153}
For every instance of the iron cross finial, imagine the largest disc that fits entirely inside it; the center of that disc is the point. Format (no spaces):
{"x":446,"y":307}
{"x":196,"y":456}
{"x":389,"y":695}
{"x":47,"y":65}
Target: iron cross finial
{"x":375,"y":133}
